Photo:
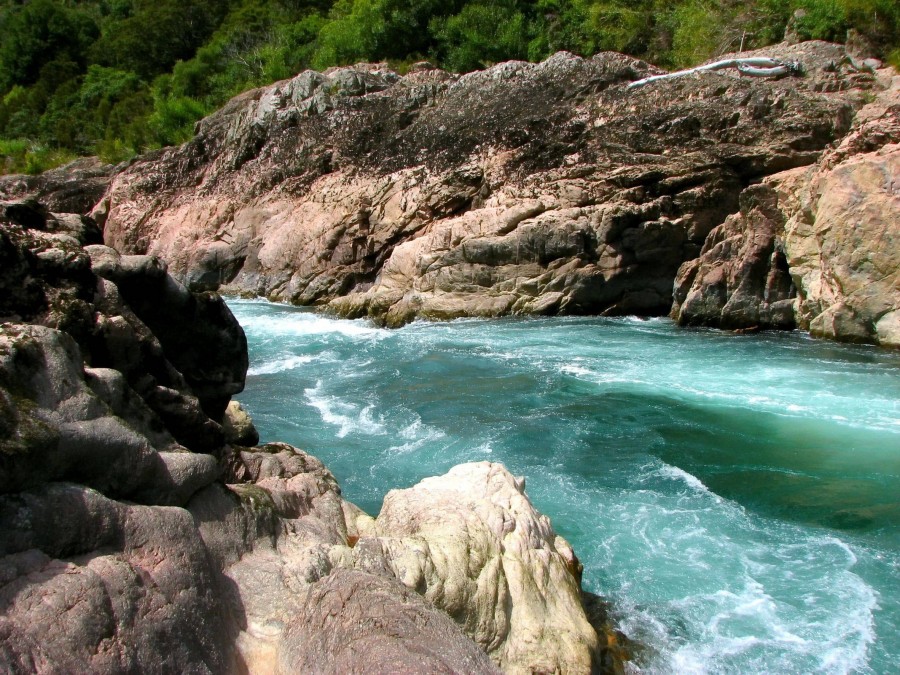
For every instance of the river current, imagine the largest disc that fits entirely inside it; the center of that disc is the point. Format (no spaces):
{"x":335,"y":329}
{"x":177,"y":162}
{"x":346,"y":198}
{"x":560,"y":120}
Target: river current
{"x":736,"y":497}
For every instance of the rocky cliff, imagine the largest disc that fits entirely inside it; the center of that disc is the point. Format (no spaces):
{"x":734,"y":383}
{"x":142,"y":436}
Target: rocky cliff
{"x":818,"y":246}
{"x":139,"y":533}
{"x":526,"y":188}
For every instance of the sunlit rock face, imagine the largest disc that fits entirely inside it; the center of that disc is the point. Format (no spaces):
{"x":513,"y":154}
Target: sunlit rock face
{"x":815,"y":246}
{"x":522,"y":189}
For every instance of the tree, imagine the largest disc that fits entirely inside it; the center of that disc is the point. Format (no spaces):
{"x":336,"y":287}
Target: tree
{"x":480,"y":35}
{"x":38,"y":33}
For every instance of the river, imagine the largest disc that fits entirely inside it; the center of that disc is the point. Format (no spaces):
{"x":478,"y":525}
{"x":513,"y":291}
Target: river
{"x":736,"y":497}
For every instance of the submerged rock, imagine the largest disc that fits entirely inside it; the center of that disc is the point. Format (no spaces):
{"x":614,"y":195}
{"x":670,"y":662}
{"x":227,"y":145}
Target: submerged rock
{"x":523,"y":189}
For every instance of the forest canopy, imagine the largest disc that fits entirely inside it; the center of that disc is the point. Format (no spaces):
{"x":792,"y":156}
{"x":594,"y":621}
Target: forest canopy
{"x":119,"y":77}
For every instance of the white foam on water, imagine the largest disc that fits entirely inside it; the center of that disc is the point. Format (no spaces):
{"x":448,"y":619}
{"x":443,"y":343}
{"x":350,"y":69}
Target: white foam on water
{"x":574,"y":369}
{"x":299,"y":324}
{"x":349,"y":418}
{"x":279,"y":365}
{"x":674,"y":473}
{"x":417,"y":435}
{"x":721,"y":590}
{"x":602,"y":378}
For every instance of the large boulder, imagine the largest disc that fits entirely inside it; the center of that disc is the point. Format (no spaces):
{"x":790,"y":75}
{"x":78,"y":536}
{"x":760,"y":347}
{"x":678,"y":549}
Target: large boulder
{"x":525,"y":188}
{"x":741,"y":279}
{"x":469,"y":543}
{"x":842,"y":235}
{"x":472,"y":543}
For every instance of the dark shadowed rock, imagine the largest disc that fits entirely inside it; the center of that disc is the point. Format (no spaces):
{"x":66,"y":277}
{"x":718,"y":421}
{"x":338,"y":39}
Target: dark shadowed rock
{"x":741,"y":279}
{"x":197,"y":332}
{"x":56,"y":428}
{"x":74,"y":188}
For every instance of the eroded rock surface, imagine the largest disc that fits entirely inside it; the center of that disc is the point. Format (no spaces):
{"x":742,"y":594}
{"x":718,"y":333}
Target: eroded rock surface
{"x":474,"y":545}
{"x":842,"y":236}
{"x":526,"y":188}
{"x":73,"y":188}
{"x":140,"y":533}
{"x":357,"y":622}
{"x":741,"y":279}
{"x":827,"y":236}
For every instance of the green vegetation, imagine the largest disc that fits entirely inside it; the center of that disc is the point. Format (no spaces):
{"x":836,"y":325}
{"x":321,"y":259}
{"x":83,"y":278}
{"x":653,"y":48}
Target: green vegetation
{"x":118,"y":77}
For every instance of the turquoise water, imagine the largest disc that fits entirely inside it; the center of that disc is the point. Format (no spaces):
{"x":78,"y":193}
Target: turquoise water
{"x":736,"y":497}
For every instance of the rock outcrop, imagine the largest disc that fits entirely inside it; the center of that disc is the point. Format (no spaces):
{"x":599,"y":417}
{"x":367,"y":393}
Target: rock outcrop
{"x":741,"y":279}
{"x":474,"y":545}
{"x":526,"y":188}
{"x":73,"y":188}
{"x":139,"y":533}
{"x":817,"y":246}
{"x":842,"y":235}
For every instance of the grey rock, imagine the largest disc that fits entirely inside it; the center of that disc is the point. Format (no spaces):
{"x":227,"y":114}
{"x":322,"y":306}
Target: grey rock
{"x":89,"y":585}
{"x":741,"y":279}
{"x":73,"y":188}
{"x":238,"y":426}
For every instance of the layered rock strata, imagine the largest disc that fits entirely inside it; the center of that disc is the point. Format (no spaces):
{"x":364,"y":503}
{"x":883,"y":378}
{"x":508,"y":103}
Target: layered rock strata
{"x":139,"y":535}
{"x":526,"y":188}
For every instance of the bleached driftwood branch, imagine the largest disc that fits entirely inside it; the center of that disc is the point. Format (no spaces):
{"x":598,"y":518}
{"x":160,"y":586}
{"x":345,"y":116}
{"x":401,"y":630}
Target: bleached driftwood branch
{"x":753,"y":66}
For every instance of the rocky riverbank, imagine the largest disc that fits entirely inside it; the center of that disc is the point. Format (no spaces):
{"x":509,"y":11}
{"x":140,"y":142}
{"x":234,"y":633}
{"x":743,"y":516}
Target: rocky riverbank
{"x":141,"y":532}
{"x":144,"y":529}
{"x":542,"y":189}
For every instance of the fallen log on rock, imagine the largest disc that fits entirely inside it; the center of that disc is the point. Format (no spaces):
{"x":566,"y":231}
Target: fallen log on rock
{"x":753,"y":67}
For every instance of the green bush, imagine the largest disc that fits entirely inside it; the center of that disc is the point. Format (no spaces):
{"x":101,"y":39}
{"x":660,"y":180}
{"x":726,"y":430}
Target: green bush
{"x":23,"y":156}
{"x":893,"y":58}
{"x":481,"y":35}
{"x":173,"y":119}
{"x":698,"y":33}
{"x":621,"y":27}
